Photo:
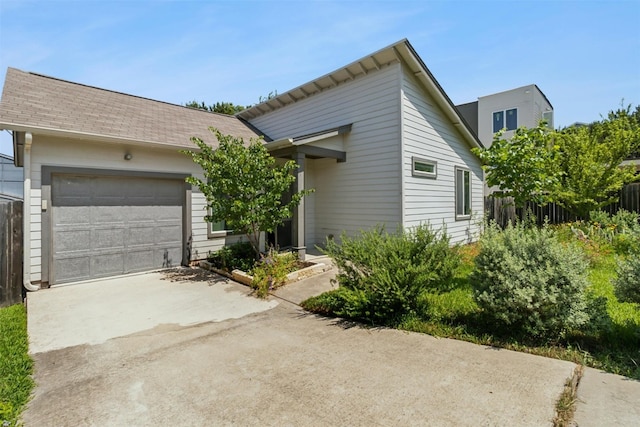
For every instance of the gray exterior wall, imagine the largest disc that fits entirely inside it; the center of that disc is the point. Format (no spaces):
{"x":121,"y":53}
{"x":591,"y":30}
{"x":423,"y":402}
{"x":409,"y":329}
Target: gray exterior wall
{"x":366,"y":189}
{"x":429,"y":135}
{"x":529,"y":101}
{"x":393,"y":119}
{"x":11,"y":181}
{"x":470,"y":113}
{"x":92,"y":155}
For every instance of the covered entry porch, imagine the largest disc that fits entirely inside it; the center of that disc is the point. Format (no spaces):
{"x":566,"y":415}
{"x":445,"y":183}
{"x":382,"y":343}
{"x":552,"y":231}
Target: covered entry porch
{"x":326,"y":144}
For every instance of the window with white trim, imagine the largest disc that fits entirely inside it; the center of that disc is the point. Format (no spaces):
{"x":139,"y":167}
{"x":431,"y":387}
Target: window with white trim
{"x":507,"y":119}
{"x":218,"y":226}
{"x":463,"y":193}
{"x":424,"y":168}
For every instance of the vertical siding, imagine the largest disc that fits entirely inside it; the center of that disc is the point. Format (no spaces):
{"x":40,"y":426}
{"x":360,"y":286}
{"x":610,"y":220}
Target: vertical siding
{"x":87,"y":154}
{"x":428,"y":134}
{"x":366,"y":189}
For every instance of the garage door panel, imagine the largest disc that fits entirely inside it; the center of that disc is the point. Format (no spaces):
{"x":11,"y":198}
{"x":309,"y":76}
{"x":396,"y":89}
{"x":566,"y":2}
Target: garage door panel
{"x":141,"y":260}
{"x":70,"y":240}
{"x":72,"y":269}
{"x":170,"y":257}
{"x":107,"y":264}
{"x":169,"y":234}
{"x":108,"y":239}
{"x":141,"y":235}
{"x":142,"y":213}
{"x":104,"y":226}
{"x":72,"y":215}
{"x":107,"y":215}
{"x":71,"y":191}
{"x":167,"y":213}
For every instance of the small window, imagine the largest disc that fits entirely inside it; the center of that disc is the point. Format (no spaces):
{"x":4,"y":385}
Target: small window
{"x":217,"y":226}
{"x":512,"y":119}
{"x":424,"y":168}
{"x":505,"y":120}
{"x":217,"y":229}
{"x":498,"y":121}
{"x":463,"y":194}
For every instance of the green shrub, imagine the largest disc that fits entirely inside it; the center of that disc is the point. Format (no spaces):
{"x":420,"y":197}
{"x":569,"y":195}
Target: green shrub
{"x":240,"y":256}
{"x":341,"y":302}
{"x":627,"y":282}
{"x":387,"y":272}
{"x":271,"y":271}
{"x":528,"y":282}
{"x":621,"y":230}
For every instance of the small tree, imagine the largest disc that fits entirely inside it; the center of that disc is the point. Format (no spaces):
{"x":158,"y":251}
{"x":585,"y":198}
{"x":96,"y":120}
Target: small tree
{"x":523,"y":166}
{"x":591,"y":161}
{"x":244,"y":186}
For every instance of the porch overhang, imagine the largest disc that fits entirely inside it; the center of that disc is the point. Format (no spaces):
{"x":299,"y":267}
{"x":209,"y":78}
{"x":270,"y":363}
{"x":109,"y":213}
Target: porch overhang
{"x":291,"y":147}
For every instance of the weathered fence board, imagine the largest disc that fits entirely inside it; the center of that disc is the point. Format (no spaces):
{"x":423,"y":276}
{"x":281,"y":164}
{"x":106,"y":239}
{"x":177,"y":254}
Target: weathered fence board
{"x":11,"y":290}
{"x":502,"y":211}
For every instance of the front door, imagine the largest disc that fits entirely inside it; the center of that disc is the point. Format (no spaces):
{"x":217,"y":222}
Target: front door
{"x":282,"y":238}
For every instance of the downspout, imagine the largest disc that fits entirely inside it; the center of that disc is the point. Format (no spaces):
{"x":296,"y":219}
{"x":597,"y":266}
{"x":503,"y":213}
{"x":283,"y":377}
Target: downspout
{"x":26,"y":229}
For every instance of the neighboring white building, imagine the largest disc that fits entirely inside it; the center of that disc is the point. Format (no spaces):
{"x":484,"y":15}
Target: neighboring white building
{"x":523,"y":106}
{"x":378,"y":139}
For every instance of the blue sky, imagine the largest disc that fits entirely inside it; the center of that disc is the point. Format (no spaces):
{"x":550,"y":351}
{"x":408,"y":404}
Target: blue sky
{"x":584,"y":55}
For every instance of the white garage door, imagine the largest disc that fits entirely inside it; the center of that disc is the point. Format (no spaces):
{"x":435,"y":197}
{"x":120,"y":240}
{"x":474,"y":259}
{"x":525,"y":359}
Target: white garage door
{"x":110,"y":225}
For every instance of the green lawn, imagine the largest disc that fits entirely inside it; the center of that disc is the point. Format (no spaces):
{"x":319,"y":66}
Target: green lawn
{"x":15,"y":364}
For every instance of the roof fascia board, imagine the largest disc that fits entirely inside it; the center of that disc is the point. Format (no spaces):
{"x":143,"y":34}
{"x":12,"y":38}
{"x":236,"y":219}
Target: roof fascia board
{"x":250,"y":113}
{"x":433,"y":87}
{"x":36,"y":130}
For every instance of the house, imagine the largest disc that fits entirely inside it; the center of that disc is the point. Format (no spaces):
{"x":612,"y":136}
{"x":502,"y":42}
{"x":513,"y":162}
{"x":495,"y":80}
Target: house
{"x":523,"y":106}
{"x":11,"y":180}
{"x":378,"y":139}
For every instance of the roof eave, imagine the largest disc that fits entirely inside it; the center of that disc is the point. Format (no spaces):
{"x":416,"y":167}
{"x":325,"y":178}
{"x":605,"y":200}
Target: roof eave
{"x":61,"y":133}
{"x":401,"y":50}
{"x":423,"y":74}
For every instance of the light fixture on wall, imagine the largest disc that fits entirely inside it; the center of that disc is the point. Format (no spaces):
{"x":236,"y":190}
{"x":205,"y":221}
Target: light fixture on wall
{"x":128,"y":156}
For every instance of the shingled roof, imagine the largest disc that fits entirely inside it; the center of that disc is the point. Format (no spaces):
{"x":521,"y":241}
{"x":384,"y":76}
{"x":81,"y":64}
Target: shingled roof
{"x":35,"y":103}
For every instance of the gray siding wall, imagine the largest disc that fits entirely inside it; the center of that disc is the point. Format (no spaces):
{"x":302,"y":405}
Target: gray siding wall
{"x":366,"y":189}
{"x":428,"y":134}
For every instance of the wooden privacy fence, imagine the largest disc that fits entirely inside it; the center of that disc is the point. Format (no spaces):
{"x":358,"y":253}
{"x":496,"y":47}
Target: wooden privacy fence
{"x":501,"y":210}
{"x":11,"y":253}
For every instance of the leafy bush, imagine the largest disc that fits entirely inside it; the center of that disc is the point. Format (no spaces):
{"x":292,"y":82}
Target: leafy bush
{"x":271,"y":271}
{"x":527,"y":281}
{"x":240,"y":256}
{"x":627,"y":282}
{"x":386,"y":273}
{"x":621,"y":230}
{"x":341,"y":302}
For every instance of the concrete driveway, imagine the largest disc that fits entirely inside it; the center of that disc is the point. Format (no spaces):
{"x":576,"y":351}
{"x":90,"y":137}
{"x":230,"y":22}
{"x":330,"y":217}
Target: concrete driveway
{"x":264,"y":363}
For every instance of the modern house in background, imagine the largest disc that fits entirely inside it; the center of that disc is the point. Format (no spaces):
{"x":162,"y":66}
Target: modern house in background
{"x":379,"y":141}
{"x":523,"y":106}
{"x":11,"y":179}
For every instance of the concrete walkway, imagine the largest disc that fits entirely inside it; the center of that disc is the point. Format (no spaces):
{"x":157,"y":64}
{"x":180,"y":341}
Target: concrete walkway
{"x":276,"y":365}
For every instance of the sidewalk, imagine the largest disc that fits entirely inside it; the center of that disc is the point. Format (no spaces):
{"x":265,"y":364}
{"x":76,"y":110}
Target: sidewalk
{"x":607,"y":400}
